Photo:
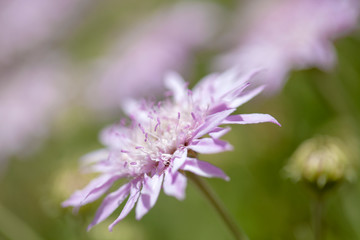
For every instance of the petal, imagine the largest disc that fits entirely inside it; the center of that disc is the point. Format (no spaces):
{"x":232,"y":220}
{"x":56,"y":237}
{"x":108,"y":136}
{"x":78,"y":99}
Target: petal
{"x":94,"y":157}
{"x":95,"y":189}
{"x":246,"y":97}
{"x":179,"y":160}
{"x":175,"y":185}
{"x":250,"y":119}
{"x":236,"y":82}
{"x":176,"y":85}
{"x":204,"y":169}
{"x":149,"y":194}
{"x":211,"y":122}
{"x":134,"y":195}
{"x":210,"y":145}
{"x":110,"y":203}
{"x":101,"y":167}
{"x":219,"y":132}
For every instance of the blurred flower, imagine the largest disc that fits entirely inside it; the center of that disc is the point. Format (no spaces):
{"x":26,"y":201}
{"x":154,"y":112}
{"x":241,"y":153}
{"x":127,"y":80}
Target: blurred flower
{"x":136,"y":64}
{"x":30,"y":96}
{"x":322,"y":161}
{"x":27,"y":24}
{"x":162,"y":141}
{"x":293,"y":34}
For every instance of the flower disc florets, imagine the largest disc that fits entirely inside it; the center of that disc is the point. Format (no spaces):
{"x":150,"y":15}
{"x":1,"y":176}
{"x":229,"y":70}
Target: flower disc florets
{"x":152,"y":151}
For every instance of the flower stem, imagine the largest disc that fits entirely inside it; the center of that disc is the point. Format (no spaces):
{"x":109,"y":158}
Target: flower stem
{"x":318,"y":212}
{"x":218,"y":205}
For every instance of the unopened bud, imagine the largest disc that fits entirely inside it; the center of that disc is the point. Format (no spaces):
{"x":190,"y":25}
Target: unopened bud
{"x":321,"y":161}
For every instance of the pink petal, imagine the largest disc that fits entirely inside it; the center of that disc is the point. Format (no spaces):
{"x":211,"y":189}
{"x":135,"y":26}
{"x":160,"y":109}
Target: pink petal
{"x":110,"y":203}
{"x":95,"y":189}
{"x":94,"y":157}
{"x":175,"y":185}
{"x":240,"y":84}
{"x":246,"y":97}
{"x":211,"y":122}
{"x":210,"y":145}
{"x":250,"y":119}
{"x":134,"y":195}
{"x":176,"y":85}
{"x":179,"y":161}
{"x":204,"y":169}
{"x":149,"y":194}
{"x":219,"y":132}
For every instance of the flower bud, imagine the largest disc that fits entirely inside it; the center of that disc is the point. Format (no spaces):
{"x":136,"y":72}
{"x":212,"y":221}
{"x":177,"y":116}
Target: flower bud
{"x":322,"y":162}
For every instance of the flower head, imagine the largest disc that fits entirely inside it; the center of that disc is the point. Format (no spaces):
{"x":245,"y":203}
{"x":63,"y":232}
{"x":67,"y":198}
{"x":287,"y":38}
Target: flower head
{"x":293,"y":34}
{"x":158,"y":146}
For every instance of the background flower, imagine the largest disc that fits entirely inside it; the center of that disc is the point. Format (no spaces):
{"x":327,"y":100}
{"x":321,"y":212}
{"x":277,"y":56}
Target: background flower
{"x":28,"y":25}
{"x":30,"y":97}
{"x":292,"y":34}
{"x":137,"y":61}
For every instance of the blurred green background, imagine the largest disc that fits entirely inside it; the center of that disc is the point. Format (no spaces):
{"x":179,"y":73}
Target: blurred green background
{"x":264,"y":202}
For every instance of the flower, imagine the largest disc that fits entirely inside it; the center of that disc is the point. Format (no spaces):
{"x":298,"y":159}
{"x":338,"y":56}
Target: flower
{"x":162,"y":141}
{"x":27,"y":25}
{"x":293,"y":34}
{"x":31,"y":95}
{"x":136,"y":64}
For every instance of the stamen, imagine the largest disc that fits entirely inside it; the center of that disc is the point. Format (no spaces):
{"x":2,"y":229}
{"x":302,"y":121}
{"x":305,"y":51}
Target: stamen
{"x":153,"y":135}
{"x":193,"y":116}
{"x":142,"y":129}
{"x":158,"y":124}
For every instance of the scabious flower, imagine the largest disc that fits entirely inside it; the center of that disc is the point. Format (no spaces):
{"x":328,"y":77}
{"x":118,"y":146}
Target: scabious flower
{"x":135,"y":65}
{"x":162,"y":141}
{"x":293,"y":34}
{"x":26,"y":25}
{"x":30,"y":97}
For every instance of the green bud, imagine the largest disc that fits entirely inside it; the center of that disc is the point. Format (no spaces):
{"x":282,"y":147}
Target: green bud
{"x":322,"y":161}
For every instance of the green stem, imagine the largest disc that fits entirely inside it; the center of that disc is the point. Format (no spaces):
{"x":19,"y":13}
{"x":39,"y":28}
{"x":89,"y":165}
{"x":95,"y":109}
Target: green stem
{"x":318,"y":213}
{"x":218,"y":205}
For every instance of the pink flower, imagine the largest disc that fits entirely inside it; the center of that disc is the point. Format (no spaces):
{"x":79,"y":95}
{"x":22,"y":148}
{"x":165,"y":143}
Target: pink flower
{"x":28,"y":24}
{"x":293,"y":34}
{"x":30,"y":97}
{"x":136,"y":64}
{"x":162,"y":142}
